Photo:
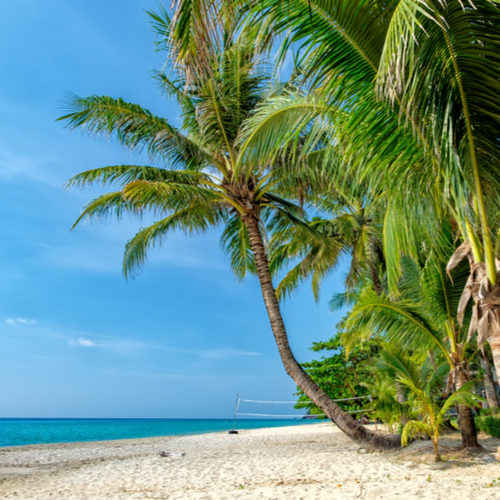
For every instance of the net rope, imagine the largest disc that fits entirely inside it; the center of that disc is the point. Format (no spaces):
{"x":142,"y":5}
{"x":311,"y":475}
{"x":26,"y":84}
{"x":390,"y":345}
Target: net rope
{"x":241,"y":400}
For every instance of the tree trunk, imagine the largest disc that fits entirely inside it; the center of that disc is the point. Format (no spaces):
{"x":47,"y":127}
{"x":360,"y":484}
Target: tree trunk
{"x":377,"y":286}
{"x":465,"y":420}
{"x":357,"y":432}
{"x":489,"y":385}
{"x":494,"y":341}
{"x":401,"y":397}
{"x":435,"y":442}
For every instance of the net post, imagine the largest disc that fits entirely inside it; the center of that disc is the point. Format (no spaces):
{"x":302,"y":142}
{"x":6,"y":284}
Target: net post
{"x":233,"y":430}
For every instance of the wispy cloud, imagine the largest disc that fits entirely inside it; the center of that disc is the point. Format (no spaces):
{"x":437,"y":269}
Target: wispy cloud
{"x":216,"y":353}
{"x":83,"y":342}
{"x":14,"y":321}
{"x":26,"y":321}
{"x":121,"y":346}
{"x":226,"y":353}
{"x":15,"y":164}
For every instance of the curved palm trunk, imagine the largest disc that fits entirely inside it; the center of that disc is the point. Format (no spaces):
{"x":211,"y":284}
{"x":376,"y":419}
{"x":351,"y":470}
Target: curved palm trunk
{"x":357,"y":432}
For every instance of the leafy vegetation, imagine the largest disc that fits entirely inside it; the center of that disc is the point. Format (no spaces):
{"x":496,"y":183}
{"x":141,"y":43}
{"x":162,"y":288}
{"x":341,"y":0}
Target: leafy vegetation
{"x":428,"y":417}
{"x":342,"y":375}
{"x":489,"y":424}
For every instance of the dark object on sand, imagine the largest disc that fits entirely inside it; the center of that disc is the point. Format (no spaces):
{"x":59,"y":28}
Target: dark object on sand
{"x":172,"y":453}
{"x":232,"y":431}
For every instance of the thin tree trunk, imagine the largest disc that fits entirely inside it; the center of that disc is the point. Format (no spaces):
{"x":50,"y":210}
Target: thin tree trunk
{"x":401,"y":397}
{"x":494,"y":341}
{"x":489,"y":385}
{"x":465,"y":419}
{"x":357,"y":432}
{"x":435,"y":442}
{"x":377,"y":286}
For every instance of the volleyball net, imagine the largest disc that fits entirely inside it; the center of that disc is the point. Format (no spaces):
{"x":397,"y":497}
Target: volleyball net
{"x":247,"y":414}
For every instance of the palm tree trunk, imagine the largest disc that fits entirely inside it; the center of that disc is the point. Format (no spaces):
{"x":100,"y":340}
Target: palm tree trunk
{"x":494,"y":341}
{"x":435,"y":442}
{"x":401,"y":398}
{"x":357,"y":432}
{"x":465,"y":418}
{"x":377,"y":286}
{"x":489,"y":385}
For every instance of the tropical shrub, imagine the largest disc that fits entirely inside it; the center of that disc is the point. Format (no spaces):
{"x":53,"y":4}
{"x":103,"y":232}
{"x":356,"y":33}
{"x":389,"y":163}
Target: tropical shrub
{"x":342,"y":375}
{"x":428,"y":412}
{"x":489,"y":424}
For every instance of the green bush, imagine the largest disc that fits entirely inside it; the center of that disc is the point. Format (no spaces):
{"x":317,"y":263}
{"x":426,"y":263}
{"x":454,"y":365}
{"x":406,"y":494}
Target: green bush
{"x":489,"y":424}
{"x":483,"y":412}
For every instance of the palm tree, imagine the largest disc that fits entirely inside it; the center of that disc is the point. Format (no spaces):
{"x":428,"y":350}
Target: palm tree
{"x":353,"y":222}
{"x":422,"y":319}
{"x":213,"y":178}
{"x":429,"y":418}
{"x":415,"y":87}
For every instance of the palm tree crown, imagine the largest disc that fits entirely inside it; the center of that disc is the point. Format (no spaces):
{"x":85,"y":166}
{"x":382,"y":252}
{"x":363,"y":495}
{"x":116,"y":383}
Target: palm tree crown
{"x":200,"y":187}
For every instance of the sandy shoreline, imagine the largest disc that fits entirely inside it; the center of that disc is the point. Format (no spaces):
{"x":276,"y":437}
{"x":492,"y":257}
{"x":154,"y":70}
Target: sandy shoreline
{"x":285,"y":463}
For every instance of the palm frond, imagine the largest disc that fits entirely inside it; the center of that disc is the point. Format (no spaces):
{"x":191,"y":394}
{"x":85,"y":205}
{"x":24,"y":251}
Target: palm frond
{"x":195,"y":219}
{"x":134,"y":127}
{"x":236,"y":243}
{"x":463,"y":396}
{"x":129,"y":173}
{"x":401,"y":322}
{"x":161,"y":197}
{"x":106,"y":206}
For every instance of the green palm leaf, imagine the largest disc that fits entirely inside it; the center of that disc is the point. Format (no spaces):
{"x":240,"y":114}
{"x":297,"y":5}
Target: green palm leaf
{"x":134,"y":127}
{"x":195,"y":219}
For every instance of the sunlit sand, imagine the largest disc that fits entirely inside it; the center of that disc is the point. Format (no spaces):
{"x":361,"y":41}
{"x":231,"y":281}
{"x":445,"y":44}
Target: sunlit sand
{"x":289,"y":463}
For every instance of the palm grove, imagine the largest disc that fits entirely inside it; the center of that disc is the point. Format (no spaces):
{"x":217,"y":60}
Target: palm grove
{"x":382,"y":145}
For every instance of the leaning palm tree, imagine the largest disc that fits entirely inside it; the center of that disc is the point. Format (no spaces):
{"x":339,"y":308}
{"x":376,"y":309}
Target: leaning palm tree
{"x":218,"y":87}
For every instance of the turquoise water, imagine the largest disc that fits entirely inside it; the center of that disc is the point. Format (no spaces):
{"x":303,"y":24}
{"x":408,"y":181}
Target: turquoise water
{"x":16,"y":432}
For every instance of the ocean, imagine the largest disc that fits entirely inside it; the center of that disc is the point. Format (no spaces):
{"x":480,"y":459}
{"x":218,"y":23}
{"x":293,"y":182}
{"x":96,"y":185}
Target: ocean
{"x":18,"y":432}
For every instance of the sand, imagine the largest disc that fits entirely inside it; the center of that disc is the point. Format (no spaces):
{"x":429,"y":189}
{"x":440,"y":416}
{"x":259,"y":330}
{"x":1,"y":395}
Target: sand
{"x":310,"y":462}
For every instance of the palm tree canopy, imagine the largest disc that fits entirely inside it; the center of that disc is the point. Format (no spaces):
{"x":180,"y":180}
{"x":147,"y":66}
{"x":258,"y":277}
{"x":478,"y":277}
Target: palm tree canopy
{"x":199,"y":187}
{"x":427,"y":145}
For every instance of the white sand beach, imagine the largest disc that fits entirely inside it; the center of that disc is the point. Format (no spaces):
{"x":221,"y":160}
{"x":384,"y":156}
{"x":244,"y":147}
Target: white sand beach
{"x":310,"y":462}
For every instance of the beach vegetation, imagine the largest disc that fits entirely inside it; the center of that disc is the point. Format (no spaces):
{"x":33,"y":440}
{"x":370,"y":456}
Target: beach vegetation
{"x":490,"y":424}
{"x":413,"y":90}
{"x":428,"y":412}
{"x":346,"y":377}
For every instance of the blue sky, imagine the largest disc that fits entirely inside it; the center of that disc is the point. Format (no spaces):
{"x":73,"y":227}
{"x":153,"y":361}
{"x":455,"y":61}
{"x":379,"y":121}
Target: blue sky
{"x":76,"y":339}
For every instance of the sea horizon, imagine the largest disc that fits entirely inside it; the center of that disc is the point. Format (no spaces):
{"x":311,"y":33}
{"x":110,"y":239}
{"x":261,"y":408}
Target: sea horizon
{"x":19,"y":431}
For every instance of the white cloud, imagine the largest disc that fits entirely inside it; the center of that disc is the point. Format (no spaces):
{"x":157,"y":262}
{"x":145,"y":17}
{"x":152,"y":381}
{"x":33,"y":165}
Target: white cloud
{"x":13,"y":321}
{"x":26,"y":321}
{"x":224,"y":353}
{"x":83,"y":342}
{"x":216,"y":353}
